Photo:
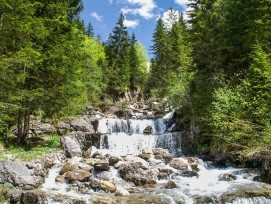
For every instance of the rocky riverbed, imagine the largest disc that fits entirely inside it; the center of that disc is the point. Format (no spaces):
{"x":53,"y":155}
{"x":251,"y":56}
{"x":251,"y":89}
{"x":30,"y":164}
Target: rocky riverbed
{"x":107,"y":159}
{"x":152,"y":177}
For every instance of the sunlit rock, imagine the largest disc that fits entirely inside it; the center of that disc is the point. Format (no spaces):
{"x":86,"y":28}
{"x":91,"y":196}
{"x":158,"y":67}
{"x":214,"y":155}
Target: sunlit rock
{"x":78,"y":175}
{"x":108,"y":186}
{"x":179,"y":164}
{"x":121,"y":192}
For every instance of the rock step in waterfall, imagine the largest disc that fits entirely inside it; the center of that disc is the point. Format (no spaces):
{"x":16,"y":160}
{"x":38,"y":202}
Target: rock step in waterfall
{"x":130,"y":136}
{"x":125,"y":137}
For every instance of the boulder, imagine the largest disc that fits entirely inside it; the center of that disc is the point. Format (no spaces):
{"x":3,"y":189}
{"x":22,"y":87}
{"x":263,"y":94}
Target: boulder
{"x":85,"y":167}
{"x":71,"y":146}
{"x":119,"y":164}
{"x":94,"y":183}
{"x":146,"y":156}
{"x":68,"y":165}
{"x":164,"y":169}
{"x":14,"y":195}
{"x":105,"y":175}
{"x":147,"y":151}
{"x":114,"y":160}
{"x":63,"y":128}
{"x":121,"y":192}
{"x":60,"y":179}
{"x":91,"y":152}
{"x":148,"y":130}
{"x":251,"y":176}
{"x":47,"y":128}
{"x":124,"y":184}
{"x":179,"y":163}
{"x":170,"y":185}
{"x":17,"y":174}
{"x":39,"y":196}
{"x":227,"y":177}
{"x":101,"y":165}
{"x":91,"y":161}
{"x":82,"y":124}
{"x":193,"y":161}
{"x":164,"y":153}
{"x":78,"y":175}
{"x":108,"y":186}
{"x":137,"y":173}
{"x":141,"y":163}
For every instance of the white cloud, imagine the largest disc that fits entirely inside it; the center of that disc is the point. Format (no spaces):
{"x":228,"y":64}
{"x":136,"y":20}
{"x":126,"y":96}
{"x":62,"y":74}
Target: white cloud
{"x":96,"y":16}
{"x":143,"y":8}
{"x":131,"y":23}
{"x":182,"y":3}
{"x":186,"y":12}
{"x":170,"y":17}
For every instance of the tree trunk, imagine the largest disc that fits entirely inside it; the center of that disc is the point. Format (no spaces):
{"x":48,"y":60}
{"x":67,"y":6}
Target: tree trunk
{"x":23,"y":123}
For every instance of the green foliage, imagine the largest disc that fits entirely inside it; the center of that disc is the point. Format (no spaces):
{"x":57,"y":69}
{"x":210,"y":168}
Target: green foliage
{"x":159,"y":74}
{"x":231,"y":39}
{"x":36,"y":147}
{"x":226,"y":118}
{"x":172,"y":67}
{"x":94,"y":64}
{"x":138,"y":65}
{"x":41,"y":59}
{"x":117,"y":51}
{"x":127,"y":62}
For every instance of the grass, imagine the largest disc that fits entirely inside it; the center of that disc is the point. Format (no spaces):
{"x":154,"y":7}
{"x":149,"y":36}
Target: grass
{"x":3,"y":192}
{"x":35,"y":148}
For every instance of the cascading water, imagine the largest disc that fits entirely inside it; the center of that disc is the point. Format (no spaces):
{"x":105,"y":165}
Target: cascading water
{"x":125,"y":137}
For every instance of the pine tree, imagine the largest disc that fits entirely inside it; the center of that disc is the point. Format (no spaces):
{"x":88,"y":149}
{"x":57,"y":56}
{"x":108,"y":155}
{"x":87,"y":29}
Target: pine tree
{"x":90,"y":30}
{"x":117,"y":50}
{"x":180,"y":68}
{"x":40,"y":58}
{"x":159,"y":69}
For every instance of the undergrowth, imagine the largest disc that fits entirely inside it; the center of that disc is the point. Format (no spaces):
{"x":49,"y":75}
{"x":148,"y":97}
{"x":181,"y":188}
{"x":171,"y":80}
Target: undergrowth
{"x":35,"y":148}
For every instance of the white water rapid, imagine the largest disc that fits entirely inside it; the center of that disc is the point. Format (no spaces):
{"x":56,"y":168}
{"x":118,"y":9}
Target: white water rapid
{"x":124,"y":137}
{"x":130,"y":137}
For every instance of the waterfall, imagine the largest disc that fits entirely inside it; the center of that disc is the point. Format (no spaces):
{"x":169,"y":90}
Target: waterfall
{"x":124,"y":137}
{"x":131,"y":126}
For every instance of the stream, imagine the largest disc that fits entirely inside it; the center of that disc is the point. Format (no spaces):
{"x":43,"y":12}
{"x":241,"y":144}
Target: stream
{"x":204,"y":185}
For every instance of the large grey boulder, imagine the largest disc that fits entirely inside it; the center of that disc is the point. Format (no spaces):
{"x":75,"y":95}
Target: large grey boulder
{"x":63,"y":128}
{"x":71,"y":146}
{"x":17,"y":174}
{"x":82,"y":124}
{"x":47,"y":128}
{"x":137,"y":170}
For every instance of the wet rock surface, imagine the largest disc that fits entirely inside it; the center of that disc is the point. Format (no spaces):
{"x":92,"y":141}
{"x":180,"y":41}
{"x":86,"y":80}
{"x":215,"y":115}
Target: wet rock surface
{"x":227,"y":177}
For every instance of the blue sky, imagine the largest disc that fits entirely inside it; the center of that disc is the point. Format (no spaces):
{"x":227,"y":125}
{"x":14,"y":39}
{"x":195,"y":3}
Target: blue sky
{"x":140,"y":15}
